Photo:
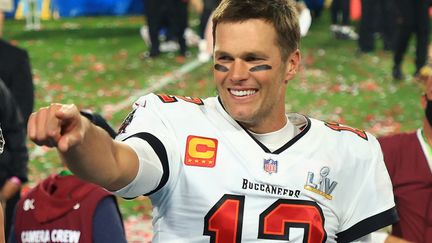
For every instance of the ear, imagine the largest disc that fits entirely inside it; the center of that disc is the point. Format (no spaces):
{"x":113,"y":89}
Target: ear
{"x":292,"y":65}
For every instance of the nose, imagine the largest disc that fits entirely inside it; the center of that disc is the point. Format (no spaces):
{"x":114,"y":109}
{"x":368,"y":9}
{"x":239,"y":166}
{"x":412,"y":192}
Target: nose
{"x":239,"y":71}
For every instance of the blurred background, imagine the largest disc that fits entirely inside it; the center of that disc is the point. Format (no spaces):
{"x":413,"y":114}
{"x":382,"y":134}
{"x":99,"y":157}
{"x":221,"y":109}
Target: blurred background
{"x":91,"y":53}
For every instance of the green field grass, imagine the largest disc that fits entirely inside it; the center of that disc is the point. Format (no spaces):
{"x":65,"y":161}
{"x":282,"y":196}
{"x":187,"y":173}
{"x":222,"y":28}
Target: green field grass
{"x":94,"y":63}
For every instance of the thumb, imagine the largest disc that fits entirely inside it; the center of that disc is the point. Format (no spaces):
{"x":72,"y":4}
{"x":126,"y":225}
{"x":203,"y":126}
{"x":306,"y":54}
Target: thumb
{"x":66,"y":142}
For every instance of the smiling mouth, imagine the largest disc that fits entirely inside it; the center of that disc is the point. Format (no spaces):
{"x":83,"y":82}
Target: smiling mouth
{"x":242,"y":93}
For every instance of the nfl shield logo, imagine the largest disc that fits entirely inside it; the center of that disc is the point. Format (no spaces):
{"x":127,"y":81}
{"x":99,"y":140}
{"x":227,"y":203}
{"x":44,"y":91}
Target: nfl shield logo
{"x":270,"y":166}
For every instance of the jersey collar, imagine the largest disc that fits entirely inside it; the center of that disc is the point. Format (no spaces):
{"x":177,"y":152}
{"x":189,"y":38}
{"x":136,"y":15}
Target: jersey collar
{"x":301,"y":122}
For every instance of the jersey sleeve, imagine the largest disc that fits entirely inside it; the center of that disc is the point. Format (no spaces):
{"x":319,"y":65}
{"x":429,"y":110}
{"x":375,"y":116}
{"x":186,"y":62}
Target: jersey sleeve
{"x":150,"y":171}
{"x":145,"y":131}
{"x":144,"y":118}
{"x":370,"y":205}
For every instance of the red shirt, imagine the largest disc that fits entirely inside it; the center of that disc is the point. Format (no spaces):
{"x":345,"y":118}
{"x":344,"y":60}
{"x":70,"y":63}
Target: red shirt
{"x":60,"y":209}
{"x":412,"y":185}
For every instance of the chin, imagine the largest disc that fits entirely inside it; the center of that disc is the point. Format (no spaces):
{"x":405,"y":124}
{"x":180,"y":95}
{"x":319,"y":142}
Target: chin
{"x":242,"y":117}
{"x":239,"y":112}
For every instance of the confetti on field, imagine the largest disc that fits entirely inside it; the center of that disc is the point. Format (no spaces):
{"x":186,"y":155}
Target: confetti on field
{"x":385,"y":127}
{"x":138,"y":229}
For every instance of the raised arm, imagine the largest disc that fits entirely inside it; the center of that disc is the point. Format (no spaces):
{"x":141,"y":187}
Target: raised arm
{"x":88,"y":150}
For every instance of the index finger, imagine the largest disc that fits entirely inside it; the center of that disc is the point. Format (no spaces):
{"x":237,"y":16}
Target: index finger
{"x":53,"y":123}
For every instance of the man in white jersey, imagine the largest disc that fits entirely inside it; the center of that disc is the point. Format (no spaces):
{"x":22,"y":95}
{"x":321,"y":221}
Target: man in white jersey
{"x":235,"y":168}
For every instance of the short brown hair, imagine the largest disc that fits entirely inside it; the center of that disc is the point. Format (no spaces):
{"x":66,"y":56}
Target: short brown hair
{"x":282,"y":14}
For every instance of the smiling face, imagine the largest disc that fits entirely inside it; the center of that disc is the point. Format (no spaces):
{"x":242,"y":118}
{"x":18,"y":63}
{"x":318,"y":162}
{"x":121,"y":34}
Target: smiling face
{"x":250,"y":75}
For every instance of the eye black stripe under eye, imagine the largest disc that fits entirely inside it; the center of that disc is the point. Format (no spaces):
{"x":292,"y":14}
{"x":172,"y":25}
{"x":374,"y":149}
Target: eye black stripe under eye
{"x":260,"y":68}
{"x":221,"y":68}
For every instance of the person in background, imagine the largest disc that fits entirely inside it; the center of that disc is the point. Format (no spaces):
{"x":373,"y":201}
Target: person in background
{"x":154,"y":14}
{"x":15,"y":71}
{"x":412,"y":17}
{"x":236,"y":167}
{"x":408,"y":157}
{"x":171,"y":15}
{"x":179,"y":16}
{"x":13,"y":161}
{"x":205,"y":46}
{"x":208,"y":7}
{"x":305,"y":17}
{"x":315,"y":7}
{"x":376,"y":18}
{"x":340,"y":20}
{"x":5,"y":6}
{"x":63,"y":204}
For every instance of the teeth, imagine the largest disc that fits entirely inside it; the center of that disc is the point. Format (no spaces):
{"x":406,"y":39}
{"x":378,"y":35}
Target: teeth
{"x":242,"y":92}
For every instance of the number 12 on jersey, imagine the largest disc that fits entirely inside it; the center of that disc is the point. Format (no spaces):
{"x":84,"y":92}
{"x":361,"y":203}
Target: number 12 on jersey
{"x":223,"y":223}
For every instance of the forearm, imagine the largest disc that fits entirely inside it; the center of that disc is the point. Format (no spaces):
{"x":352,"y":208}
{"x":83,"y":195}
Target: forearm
{"x":100,"y":159}
{"x":87,"y":149}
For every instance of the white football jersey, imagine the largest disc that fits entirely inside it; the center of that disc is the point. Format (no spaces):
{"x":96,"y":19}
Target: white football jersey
{"x":219,"y":184}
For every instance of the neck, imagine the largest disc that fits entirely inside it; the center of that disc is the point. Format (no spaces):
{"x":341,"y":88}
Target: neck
{"x":267,"y":127}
